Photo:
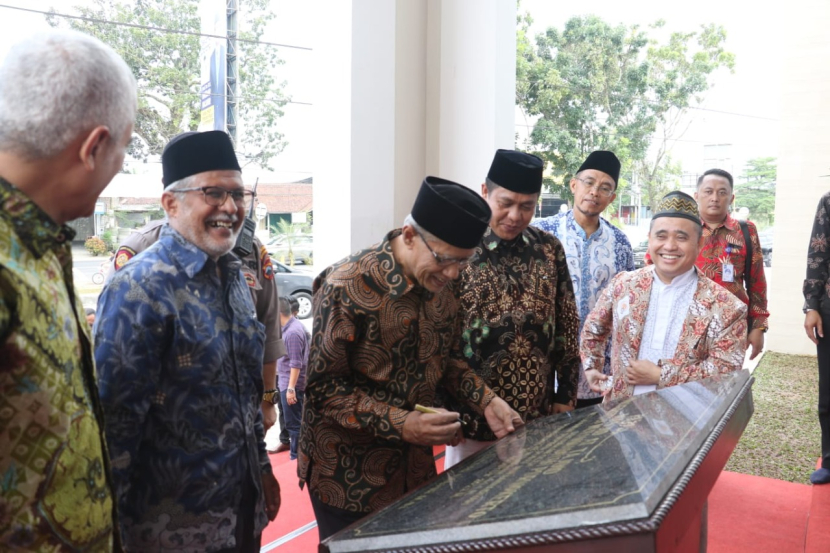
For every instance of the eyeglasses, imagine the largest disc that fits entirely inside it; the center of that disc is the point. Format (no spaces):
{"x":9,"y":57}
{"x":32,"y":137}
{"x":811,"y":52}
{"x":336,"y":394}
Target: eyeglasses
{"x":216,"y":196}
{"x":442,"y":260}
{"x":598,"y":188}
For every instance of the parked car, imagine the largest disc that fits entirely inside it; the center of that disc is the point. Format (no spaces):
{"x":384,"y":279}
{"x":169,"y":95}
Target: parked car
{"x":765,"y":237}
{"x":640,"y":254}
{"x":302,"y":246}
{"x":297,"y":284}
{"x":274,"y":241}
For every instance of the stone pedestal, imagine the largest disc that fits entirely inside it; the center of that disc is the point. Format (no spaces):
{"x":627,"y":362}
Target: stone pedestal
{"x":632,"y":476}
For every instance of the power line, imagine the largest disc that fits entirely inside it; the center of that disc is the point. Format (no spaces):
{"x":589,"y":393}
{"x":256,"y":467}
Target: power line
{"x":160,"y":29}
{"x":149,"y":28}
{"x":134,"y":161}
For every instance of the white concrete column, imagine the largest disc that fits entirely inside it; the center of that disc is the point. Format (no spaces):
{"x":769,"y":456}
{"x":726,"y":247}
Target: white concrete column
{"x":410,"y":105}
{"x":472,"y":74}
{"x":332,"y":116}
{"x":405,"y":88}
{"x":373,"y":122}
{"x":803,"y":163}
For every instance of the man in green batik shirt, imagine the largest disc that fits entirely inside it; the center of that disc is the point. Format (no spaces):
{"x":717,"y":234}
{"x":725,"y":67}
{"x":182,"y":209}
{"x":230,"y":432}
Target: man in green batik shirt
{"x":67,"y":107}
{"x":517,"y":313}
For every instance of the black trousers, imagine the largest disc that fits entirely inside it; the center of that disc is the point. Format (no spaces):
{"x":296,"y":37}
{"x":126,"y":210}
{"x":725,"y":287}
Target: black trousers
{"x":331,"y":520}
{"x":823,"y":351}
{"x":284,"y":438}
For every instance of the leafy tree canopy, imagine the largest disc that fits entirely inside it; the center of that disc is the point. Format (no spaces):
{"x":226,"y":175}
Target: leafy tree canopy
{"x":595,"y":86}
{"x":755,"y":190}
{"x":167,"y":68}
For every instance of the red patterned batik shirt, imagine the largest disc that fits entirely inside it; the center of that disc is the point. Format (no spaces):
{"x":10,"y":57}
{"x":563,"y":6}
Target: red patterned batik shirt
{"x":724,"y":245}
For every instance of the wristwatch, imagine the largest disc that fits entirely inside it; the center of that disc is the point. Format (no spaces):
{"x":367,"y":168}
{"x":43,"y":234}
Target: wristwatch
{"x":292,"y":390}
{"x":270,"y":396}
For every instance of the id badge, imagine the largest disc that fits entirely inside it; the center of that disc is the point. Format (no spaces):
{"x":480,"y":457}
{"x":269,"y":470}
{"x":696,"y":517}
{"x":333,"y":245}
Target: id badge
{"x":728,"y":272}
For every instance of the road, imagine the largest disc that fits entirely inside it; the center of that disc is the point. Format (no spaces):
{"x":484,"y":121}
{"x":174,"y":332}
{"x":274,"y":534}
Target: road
{"x":83,"y":269}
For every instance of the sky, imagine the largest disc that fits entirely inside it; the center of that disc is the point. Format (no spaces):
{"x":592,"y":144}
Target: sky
{"x":741,"y":109}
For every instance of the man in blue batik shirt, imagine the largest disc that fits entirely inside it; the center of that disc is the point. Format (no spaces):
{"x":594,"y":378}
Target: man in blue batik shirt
{"x":596,"y":250}
{"x":179,"y":356}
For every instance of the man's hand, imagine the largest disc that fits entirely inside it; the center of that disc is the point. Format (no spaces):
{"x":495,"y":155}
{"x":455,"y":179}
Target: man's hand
{"x":510,"y":451}
{"x":269,"y":414}
{"x":271,"y":490}
{"x":291,"y":397}
{"x":813,"y":326}
{"x":562,"y":408}
{"x":756,"y":341}
{"x":596,"y":381}
{"x":642,"y":372}
{"x":501,"y":418}
{"x":432,"y":429}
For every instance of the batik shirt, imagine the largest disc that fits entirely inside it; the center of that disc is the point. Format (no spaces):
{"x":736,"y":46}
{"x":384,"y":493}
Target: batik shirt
{"x":725,"y":244}
{"x":817,"y":284}
{"x":712,"y":339}
{"x":256,"y":268}
{"x":55,"y":492}
{"x":518,"y":326}
{"x":592,"y":262}
{"x":379,"y":347}
{"x":179,"y":353}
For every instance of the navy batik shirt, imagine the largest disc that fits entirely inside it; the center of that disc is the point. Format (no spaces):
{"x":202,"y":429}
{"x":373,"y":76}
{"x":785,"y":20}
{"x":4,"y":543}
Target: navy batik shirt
{"x":179,"y":357}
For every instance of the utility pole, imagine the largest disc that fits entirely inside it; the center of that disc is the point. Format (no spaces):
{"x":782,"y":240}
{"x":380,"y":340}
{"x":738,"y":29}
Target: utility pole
{"x":233,"y":70}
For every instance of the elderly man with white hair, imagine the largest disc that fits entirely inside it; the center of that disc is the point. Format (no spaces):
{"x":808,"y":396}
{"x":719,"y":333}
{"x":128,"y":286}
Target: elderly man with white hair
{"x":67,"y":108}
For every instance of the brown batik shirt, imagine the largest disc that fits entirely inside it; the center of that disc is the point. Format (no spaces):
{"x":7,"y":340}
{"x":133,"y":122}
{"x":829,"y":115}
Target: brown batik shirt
{"x":379,"y":347}
{"x":518,"y":326}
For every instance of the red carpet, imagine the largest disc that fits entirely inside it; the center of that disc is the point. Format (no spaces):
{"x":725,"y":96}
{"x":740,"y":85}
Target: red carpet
{"x":746,"y":514}
{"x":818,"y":529}
{"x":757,"y":515}
{"x":295,"y":512}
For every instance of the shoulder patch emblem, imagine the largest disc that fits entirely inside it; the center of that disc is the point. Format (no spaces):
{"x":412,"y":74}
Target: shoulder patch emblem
{"x":123,"y":255}
{"x":249,"y":279}
{"x":267,"y":266}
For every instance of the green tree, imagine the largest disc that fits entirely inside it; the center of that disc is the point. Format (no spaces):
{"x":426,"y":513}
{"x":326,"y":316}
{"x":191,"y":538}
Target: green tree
{"x":167,"y":68}
{"x":595,"y":86}
{"x":679,"y":72}
{"x":657,"y":178}
{"x":290,"y":231}
{"x":755,"y":190}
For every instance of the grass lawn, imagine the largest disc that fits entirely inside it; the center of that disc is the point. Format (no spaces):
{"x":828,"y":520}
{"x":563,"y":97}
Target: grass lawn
{"x":782,"y":440}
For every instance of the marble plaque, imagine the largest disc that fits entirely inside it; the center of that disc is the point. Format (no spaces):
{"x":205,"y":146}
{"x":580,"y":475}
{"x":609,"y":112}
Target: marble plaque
{"x":607,"y":464}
